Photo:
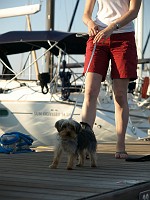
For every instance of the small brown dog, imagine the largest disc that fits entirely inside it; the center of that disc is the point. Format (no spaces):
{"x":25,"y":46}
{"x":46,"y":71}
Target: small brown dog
{"x":74,"y":140}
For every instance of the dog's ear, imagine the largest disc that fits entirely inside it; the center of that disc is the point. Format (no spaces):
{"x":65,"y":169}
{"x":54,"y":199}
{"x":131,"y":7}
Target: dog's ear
{"x":58,"y":124}
{"x":78,"y":126}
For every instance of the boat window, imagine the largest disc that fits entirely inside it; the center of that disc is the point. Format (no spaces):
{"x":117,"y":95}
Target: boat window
{"x":3,"y":112}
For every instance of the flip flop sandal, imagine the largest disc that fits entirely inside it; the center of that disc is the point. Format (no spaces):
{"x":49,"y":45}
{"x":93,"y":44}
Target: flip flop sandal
{"x":121,"y":155}
{"x":139,"y":159}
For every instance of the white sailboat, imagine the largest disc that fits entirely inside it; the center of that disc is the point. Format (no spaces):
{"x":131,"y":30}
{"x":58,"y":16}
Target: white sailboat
{"x":23,"y":106}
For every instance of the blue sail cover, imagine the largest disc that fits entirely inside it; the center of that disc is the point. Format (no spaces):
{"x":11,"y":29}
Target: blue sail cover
{"x":14,"y":42}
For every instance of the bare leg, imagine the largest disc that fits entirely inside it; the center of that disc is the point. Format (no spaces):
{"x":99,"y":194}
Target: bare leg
{"x":92,"y":88}
{"x":121,"y":114}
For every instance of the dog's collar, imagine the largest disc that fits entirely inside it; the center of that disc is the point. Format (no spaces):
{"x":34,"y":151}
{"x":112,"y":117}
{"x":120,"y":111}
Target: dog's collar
{"x":86,"y":126}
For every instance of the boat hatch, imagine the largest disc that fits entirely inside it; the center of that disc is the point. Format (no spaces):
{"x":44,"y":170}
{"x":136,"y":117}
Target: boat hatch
{"x":3,"y":112}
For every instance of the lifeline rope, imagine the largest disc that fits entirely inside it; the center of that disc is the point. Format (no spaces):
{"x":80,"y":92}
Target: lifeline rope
{"x":94,"y":48}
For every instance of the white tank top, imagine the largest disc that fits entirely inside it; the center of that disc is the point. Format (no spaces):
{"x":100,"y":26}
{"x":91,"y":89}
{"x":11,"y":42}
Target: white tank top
{"x":109,"y":11}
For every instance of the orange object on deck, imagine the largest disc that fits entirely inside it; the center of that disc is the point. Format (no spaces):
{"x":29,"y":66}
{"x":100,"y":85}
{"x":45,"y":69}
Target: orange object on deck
{"x":145,"y":87}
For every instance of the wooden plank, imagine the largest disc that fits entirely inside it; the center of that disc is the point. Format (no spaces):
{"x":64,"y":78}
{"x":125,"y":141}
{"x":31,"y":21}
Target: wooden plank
{"x":33,"y":192}
{"x":136,"y":192}
{"x":27,"y":176}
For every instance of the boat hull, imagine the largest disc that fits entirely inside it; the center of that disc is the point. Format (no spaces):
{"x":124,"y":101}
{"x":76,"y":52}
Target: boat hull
{"x":38,"y":119}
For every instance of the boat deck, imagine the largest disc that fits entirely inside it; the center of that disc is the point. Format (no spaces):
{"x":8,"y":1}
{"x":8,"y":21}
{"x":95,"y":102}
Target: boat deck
{"x":27,"y":176}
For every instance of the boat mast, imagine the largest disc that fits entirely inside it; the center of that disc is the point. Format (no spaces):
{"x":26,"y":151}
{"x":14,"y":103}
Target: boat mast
{"x":33,"y":52}
{"x":50,"y":7}
{"x":146,"y":43}
{"x":50,"y":14}
{"x":72,"y":19}
{"x":139,"y":36}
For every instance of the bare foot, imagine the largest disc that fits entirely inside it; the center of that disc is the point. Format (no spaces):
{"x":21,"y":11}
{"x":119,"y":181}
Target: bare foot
{"x":121,"y":155}
{"x":120,"y":151}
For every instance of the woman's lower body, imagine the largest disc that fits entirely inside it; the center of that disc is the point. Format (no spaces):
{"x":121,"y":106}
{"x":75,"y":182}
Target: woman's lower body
{"x":120,"y":49}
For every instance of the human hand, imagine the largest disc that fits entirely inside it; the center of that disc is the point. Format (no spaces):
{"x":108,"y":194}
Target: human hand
{"x":92,"y":28}
{"x":105,"y":33}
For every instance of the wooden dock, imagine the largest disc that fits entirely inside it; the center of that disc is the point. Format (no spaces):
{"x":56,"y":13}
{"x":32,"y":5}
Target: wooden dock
{"x":28,"y":177}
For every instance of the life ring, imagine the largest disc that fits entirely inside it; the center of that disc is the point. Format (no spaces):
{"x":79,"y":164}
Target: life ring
{"x":145,"y":87}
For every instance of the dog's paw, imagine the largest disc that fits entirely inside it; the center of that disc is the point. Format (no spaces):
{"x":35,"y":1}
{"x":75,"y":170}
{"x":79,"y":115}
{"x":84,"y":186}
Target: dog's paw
{"x":93,"y":166}
{"x":52,"y":166}
{"x":69,"y":168}
{"x":79,"y":165}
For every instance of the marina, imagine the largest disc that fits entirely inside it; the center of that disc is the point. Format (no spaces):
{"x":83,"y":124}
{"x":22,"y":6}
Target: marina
{"x":32,"y":104}
{"x":28,"y":176}
{"x":41,"y":81}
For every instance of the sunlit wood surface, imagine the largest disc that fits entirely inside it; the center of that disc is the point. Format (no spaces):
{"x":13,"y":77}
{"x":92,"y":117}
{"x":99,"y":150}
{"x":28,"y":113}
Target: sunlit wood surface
{"x":27,"y":176}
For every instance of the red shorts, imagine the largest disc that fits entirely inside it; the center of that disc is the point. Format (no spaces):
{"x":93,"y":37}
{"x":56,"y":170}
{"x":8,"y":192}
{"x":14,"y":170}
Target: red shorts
{"x":120,"y":49}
